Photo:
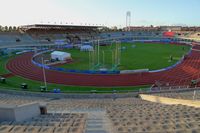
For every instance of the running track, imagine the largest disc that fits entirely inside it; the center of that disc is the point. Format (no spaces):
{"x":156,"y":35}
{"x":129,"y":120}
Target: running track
{"x":181,"y":75}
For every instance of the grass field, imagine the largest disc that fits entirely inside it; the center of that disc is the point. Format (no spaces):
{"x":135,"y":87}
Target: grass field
{"x":143,"y":56}
{"x":15,"y":82}
{"x":3,"y":61}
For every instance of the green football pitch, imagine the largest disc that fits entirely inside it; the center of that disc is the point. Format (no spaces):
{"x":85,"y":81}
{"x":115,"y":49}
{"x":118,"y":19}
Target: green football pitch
{"x":134,"y":56}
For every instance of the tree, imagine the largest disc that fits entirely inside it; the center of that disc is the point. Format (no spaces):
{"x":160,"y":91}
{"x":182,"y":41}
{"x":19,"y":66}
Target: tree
{"x":104,"y":29}
{"x":14,"y":28}
{"x":10,"y":28}
{"x":120,"y":29}
{"x":6,"y":28}
{"x":18,"y":29}
{"x":1,"y":28}
{"x":114,"y":28}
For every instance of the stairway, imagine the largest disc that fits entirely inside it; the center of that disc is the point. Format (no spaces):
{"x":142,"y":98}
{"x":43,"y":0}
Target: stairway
{"x":97,"y":122}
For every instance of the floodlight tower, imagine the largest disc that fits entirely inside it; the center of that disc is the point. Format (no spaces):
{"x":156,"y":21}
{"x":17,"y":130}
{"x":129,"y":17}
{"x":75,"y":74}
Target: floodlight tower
{"x":128,"y":20}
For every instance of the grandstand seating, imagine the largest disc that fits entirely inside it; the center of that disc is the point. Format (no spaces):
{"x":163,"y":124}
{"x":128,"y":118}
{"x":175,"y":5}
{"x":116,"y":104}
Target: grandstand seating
{"x":49,"y":123}
{"x":12,"y":37}
{"x":17,"y":39}
{"x":130,"y":34}
{"x":193,"y":35}
{"x":76,"y":36}
{"x":125,"y":115}
{"x":37,"y":37}
{"x":18,"y":100}
{"x":136,"y":116}
{"x":153,"y":118}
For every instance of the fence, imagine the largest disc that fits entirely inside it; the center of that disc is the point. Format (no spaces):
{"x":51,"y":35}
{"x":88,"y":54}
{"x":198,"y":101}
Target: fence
{"x":95,"y":95}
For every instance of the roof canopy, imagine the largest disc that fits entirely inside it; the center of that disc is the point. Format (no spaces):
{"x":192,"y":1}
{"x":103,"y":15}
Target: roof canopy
{"x":63,"y":27}
{"x":59,"y":53}
{"x":86,"y":48}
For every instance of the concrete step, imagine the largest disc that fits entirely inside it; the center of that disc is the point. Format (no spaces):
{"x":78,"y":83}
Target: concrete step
{"x":96,"y":131}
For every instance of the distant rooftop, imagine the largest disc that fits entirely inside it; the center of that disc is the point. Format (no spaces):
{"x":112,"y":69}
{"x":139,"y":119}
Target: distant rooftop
{"x":52,"y":26}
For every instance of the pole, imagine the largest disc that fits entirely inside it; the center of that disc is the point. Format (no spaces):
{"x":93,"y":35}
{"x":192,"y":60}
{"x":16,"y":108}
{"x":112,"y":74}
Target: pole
{"x":95,"y":53}
{"x":116,"y":53}
{"x":81,"y":42}
{"x":44,"y":74}
{"x":103,"y":58}
{"x":98,"y":52}
{"x":89,"y":61}
{"x":93,"y":59}
{"x":112,"y":58}
{"x":119,"y":50}
{"x":194,"y":95}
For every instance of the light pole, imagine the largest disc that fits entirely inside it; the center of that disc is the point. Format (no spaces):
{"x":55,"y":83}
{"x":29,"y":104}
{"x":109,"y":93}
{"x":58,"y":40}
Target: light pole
{"x":113,"y":60}
{"x":44,"y":74}
{"x":103,"y":58}
{"x":98,"y":52}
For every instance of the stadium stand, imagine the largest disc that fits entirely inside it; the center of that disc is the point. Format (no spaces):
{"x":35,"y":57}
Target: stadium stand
{"x":105,"y":115}
{"x":134,"y":115}
{"x":126,"y":115}
{"x":49,"y":123}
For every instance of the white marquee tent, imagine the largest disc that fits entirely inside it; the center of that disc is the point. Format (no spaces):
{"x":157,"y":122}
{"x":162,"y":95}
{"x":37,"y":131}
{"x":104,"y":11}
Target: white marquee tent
{"x":86,"y":48}
{"x":60,"y":55}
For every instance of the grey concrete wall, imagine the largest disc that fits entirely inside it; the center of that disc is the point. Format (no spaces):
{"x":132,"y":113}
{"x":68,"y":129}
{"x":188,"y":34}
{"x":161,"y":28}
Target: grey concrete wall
{"x":19,"y":113}
{"x":6,"y":113}
{"x":90,"y":95}
{"x":69,"y":95}
{"x":27,"y":111}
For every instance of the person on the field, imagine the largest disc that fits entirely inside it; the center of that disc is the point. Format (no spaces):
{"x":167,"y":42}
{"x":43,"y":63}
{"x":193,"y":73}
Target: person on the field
{"x":171,"y":58}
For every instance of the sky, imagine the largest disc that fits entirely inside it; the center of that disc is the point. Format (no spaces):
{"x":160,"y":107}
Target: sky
{"x":101,"y":12}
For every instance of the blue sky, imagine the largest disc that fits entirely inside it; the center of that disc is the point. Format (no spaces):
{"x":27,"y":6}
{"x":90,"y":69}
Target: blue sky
{"x":107,"y":12}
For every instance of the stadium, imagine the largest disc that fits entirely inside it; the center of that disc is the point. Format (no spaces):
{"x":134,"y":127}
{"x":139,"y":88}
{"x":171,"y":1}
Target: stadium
{"x":92,"y":78}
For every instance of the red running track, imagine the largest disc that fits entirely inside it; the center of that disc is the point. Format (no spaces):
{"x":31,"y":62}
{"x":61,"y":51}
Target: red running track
{"x":181,"y":75}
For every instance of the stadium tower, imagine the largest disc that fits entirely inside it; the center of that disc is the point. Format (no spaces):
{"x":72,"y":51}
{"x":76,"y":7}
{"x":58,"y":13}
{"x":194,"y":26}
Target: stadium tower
{"x":128,"y":20}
